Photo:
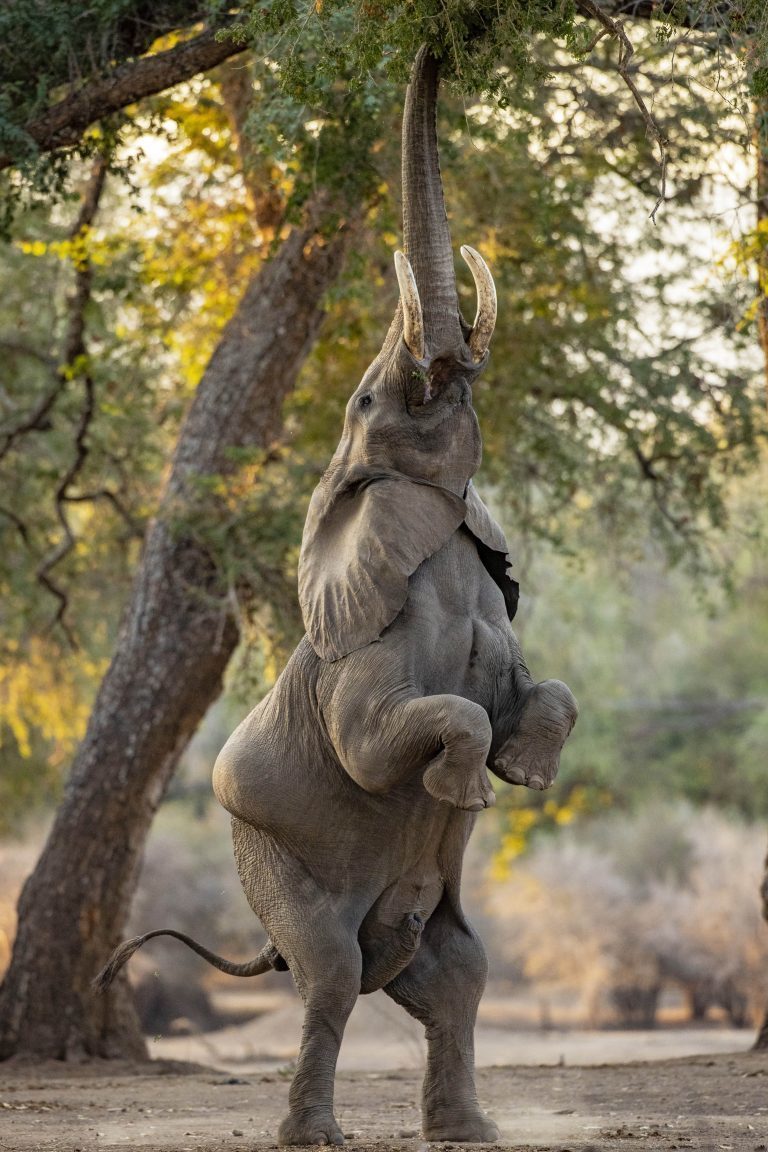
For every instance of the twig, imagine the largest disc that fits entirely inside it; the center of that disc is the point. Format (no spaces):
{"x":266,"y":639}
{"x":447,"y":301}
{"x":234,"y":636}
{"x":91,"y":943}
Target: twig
{"x":18,"y":523}
{"x":65,"y":546}
{"x":35,"y":421}
{"x":615,"y":28}
{"x":111,"y":498}
{"x":75,"y":350}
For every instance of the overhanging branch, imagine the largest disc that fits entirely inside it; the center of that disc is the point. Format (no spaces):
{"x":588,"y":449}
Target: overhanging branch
{"x":63,"y":124}
{"x":615,"y":29}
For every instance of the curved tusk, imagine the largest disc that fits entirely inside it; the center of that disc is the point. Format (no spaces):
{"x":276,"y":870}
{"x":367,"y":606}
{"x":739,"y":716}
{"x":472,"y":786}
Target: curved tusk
{"x":413,"y":321}
{"x":485,"y":320}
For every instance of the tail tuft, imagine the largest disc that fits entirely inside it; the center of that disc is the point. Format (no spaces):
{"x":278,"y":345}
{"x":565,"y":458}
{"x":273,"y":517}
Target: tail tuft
{"x":119,"y":957}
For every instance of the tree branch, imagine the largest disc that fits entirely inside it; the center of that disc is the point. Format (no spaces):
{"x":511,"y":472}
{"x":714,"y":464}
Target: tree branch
{"x":63,"y":124}
{"x":615,"y":28}
{"x":74,"y":350}
{"x":36,"y":421}
{"x":112,"y":498}
{"x":18,"y":524}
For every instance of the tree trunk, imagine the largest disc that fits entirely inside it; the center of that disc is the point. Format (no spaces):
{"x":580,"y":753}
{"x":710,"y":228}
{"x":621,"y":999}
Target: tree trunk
{"x":761,"y":1043}
{"x":178,"y":633}
{"x":761,"y":153}
{"x":761,"y":150}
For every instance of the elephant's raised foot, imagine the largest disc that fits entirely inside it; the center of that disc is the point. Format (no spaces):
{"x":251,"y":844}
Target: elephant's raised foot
{"x":458,"y":785}
{"x":531,"y":756}
{"x":309,"y":1128}
{"x":466,"y":1127}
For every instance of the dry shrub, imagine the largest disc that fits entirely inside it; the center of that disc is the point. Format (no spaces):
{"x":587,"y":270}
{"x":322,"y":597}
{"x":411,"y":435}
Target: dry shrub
{"x":17,"y":859}
{"x":189,"y":882}
{"x":616,"y":909}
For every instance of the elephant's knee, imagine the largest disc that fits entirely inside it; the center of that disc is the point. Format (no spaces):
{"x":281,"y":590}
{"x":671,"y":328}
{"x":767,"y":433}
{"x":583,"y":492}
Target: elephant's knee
{"x":236,"y":774}
{"x":470,"y":727}
{"x":225,"y":779}
{"x":472,"y":961}
{"x":373,"y":762}
{"x":329,"y":976}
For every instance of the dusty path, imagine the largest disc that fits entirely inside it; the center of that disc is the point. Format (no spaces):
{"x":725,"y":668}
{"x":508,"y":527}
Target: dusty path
{"x":704,"y":1103}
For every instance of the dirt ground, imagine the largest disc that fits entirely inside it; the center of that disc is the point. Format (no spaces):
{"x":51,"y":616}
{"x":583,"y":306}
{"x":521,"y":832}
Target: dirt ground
{"x":704,"y":1103}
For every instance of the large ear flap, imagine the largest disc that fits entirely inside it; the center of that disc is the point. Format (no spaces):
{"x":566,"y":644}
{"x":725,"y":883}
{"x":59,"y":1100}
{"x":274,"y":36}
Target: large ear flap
{"x":492,"y":547}
{"x":361,"y":543}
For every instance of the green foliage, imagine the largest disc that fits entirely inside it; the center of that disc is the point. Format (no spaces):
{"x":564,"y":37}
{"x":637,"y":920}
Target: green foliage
{"x":670,"y":677}
{"x":619,"y":405}
{"x":471,"y":38}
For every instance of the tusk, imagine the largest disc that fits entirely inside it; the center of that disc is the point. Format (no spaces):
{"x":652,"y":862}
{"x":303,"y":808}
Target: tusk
{"x":485,"y":320}
{"x":413,"y":321}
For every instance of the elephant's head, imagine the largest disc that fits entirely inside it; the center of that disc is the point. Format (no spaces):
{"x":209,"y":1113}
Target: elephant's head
{"x":399,"y":482}
{"x":412,"y":412}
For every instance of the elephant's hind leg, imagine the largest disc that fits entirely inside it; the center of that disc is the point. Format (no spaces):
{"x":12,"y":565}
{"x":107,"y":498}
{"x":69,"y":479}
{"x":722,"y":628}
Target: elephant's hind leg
{"x":441,"y":987}
{"x":318,"y":942}
{"x":327,"y":971}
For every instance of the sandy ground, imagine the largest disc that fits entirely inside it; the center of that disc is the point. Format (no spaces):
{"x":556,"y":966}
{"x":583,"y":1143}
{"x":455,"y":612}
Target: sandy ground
{"x":566,"y":1091}
{"x":702,"y":1103}
{"x":381,"y":1037}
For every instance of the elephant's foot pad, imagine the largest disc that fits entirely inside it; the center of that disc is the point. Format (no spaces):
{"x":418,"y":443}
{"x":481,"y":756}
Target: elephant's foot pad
{"x":468,"y":1128}
{"x":460,"y":787}
{"x":531,"y":756}
{"x":313,"y":1128}
{"x":517,"y":765}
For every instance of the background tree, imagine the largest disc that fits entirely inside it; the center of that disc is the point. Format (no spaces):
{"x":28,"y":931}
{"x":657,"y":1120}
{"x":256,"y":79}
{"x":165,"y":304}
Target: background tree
{"x":595,"y":416}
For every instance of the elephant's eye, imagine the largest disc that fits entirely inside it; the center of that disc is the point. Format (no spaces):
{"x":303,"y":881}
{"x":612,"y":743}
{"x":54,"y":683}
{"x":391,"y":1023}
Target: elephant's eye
{"x":365,"y":401}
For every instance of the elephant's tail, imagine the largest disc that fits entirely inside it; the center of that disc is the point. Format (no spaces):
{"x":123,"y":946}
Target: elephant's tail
{"x":268,"y":958}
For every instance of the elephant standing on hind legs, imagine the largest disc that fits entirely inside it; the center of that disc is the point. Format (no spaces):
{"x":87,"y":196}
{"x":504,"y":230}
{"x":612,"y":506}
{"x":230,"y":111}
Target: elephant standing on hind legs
{"x":354,"y":785}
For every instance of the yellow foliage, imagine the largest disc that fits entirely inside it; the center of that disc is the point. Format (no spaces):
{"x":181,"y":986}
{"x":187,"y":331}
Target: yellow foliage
{"x":521,"y":823}
{"x":32,"y":247}
{"x":38,"y":693}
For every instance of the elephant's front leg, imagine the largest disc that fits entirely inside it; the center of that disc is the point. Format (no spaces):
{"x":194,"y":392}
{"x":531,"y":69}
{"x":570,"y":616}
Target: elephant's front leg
{"x":382,"y":742}
{"x":540,"y":721}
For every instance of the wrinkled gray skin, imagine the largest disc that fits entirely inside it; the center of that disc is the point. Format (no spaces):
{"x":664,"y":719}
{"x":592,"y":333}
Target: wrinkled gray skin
{"x":353,"y":786}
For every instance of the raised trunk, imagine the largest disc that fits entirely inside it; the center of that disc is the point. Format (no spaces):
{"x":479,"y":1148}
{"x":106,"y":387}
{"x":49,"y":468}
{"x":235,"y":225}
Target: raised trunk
{"x":425,"y":222}
{"x":177,"y":635}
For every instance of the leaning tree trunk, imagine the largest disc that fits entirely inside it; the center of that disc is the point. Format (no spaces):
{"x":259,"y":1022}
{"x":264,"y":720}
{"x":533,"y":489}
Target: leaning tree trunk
{"x":761,"y":153}
{"x":761,"y":1042}
{"x":176,"y":638}
{"x":761,"y":156}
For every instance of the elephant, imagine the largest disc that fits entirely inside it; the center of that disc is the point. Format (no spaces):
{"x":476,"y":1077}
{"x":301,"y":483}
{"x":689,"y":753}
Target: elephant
{"x":354,"y":785}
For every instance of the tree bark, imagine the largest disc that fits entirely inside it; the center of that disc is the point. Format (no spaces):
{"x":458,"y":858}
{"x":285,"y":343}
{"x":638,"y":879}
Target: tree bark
{"x":761,"y":151}
{"x":178,"y":633}
{"x":63,"y":124}
{"x":761,"y":1043}
{"x":761,"y":155}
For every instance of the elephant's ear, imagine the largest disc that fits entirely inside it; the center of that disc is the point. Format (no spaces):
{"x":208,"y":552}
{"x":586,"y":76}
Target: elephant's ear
{"x":492,"y":547}
{"x":361,"y":544}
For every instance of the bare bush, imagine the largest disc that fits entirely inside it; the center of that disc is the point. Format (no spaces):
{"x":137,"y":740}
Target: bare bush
{"x":616,"y":909}
{"x":17,"y":859}
{"x":188,"y":882}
